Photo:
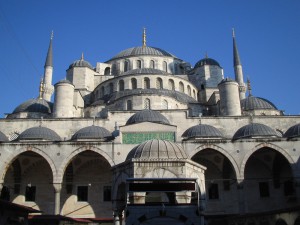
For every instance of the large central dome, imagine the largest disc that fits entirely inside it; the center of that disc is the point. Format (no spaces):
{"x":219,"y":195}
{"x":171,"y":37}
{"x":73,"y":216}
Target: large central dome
{"x":142,"y":50}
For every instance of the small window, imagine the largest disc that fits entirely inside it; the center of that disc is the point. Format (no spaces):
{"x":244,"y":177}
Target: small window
{"x":107,"y":193}
{"x":159,"y":83}
{"x":189,"y":90}
{"x":146,"y":83}
{"x":107,"y":71}
{"x":138,"y":64}
{"x":147,"y":103}
{"x":121,"y":85}
{"x":194,"y":94}
{"x":129,"y":105}
{"x":133,"y":83}
{"x":264,"y":189}
{"x":165,"y":66}
{"x":165,"y":104}
{"x":152,"y":64}
{"x":30,"y":193}
{"x":82,"y":193}
{"x":171,"y":85}
{"x":126,"y":66}
{"x":213,"y":191}
{"x":181,"y":87}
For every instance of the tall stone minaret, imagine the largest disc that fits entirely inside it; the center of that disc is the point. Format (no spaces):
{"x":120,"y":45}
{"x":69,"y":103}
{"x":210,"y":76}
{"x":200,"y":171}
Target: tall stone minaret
{"x":48,"y":87}
{"x":238,"y":69}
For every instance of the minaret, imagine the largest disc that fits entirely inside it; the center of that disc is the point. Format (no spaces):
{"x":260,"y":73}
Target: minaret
{"x":48,"y":87}
{"x":238,"y":69}
{"x":144,"y":38}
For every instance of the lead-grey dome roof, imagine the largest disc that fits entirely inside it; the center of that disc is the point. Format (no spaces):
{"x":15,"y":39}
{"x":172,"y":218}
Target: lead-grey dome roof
{"x":252,"y":103}
{"x":207,"y":61}
{"x":81,"y":63}
{"x":142,"y":50}
{"x":147,"y":116}
{"x":255,"y":130}
{"x":3,"y":137}
{"x":39,"y":133}
{"x":202,"y":131}
{"x":145,"y":71}
{"x":157,"y":149}
{"x":34,"y":105}
{"x":91,"y":132}
{"x":293,"y":131}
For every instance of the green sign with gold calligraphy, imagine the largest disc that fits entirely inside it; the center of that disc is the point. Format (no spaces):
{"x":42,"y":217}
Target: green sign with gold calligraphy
{"x":137,"y":138}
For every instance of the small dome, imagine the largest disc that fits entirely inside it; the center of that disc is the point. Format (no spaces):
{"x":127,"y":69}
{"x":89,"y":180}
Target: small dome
{"x":142,"y":50}
{"x":252,"y":103}
{"x":65,"y":81}
{"x":34,"y":105}
{"x":147,"y":116}
{"x":157,"y":149}
{"x":3,"y":138}
{"x":39,"y":133}
{"x":255,"y":130}
{"x":207,"y":61}
{"x":145,"y":71}
{"x":91,"y":132}
{"x":81,"y":63}
{"x":227,"y":80}
{"x":293,"y":131}
{"x":202,"y":131}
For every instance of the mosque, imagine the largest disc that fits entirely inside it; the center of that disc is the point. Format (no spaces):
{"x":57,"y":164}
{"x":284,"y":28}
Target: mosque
{"x":147,"y":138}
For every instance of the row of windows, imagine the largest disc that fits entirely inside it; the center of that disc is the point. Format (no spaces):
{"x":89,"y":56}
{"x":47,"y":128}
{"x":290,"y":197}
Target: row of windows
{"x":147,"y":105}
{"x":263,"y":187}
{"x":138,"y":65}
{"x":82,"y":193}
{"x":146,"y":85}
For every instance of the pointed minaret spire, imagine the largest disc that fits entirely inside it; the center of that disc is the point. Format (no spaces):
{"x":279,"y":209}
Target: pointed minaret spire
{"x":48,"y":72}
{"x":238,"y":70}
{"x":144,"y":38}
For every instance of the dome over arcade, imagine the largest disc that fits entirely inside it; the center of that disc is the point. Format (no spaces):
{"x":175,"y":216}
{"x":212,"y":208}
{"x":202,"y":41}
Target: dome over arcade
{"x":207,"y":61}
{"x":293,"y":131}
{"x":202,"y":131}
{"x":147,"y":115}
{"x":81,"y":63}
{"x":34,"y":105}
{"x":142,"y":50}
{"x":3,"y":138}
{"x":39,"y":133}
{"x":145,"y":71}
{"x":91,"y":132}
{"x":255,"y":130}
{"x":252,"y":103}
{"x":157,"y":149}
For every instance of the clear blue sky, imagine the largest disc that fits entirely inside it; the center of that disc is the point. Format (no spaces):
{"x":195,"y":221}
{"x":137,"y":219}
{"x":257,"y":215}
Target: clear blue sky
{"x":267,"y":33}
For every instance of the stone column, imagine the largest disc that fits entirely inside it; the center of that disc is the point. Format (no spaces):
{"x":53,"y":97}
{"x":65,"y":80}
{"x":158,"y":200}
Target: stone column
{"x":241,"y":197}
{"x":116,"y":217}
{"x":57,"y":190}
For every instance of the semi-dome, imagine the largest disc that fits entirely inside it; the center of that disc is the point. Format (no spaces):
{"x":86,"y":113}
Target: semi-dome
{"x":3,"y":137}
{"x":91,"y":132}
{"x":39,"y":133}
{"x":293,"y":131}
{"x":255,"y":130}
{"x":147,"y":115}
{"x":252,"y":103}
{"x":157,"y":149}
{"x":142,"y":50}
{"x":207,"y":61}
{"x":202,"y":131}
{"x":81,"y":63}
{"x":34,"y":105}
{"x":145,"y":71}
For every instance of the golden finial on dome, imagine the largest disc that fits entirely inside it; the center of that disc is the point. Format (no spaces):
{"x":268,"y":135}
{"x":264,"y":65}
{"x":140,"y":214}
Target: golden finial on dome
{"x":52,"y":34}
{"x":233,"y":33}
{"x":144,"y":38}
{"x":41,"y":90}
{"x":249,"y":86}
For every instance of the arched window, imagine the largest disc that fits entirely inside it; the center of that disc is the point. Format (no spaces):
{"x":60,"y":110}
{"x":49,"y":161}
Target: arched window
{"x":138,"y":64}
{"x":171,"y":85}
{"x":147,"y":103}
{"x":111,"y":88}
{"x":165,"y":104}
{"x":107,"y":71}
{"x":133,"y":83}
{"x":129,"y":105}
{"x":181,"y":87}
{"x":121,"y":85}
{"x":146,"y":83}
{"x":189,"y":90}
{"x":159,"y":83}
{"x":194,"y":94}
{"x":152,"y":64}
{"x":165,"y":66}
{"x":126,"y":66}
